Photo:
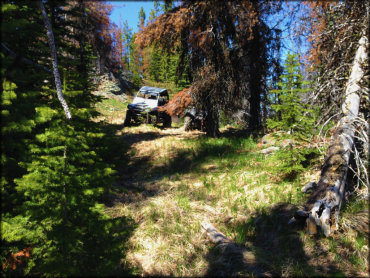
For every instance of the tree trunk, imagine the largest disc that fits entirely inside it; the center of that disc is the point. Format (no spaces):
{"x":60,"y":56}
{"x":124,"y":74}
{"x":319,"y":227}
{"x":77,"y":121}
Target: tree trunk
{"x":257,"y":72}
{"x":255,"y":102}
{"x":325,"y":202}
{"x":211,"y":122}
{"x":58,"y":83}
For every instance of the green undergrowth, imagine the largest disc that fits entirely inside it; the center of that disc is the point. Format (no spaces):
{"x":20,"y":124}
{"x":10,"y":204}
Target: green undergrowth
{"x":112,"y":111}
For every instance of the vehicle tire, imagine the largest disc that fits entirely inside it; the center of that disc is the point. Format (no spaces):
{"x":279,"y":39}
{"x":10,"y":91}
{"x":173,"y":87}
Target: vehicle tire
{"x":167,"y":120}
{"x":187,"y":123}
{"x":148,"y":119}
{"x":155,"y":120}
{"x":127,"y":121}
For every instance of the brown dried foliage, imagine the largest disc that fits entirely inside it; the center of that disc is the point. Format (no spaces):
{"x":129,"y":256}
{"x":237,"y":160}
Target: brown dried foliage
{"x":168,"y":25}
{"x":104,"y":36}
{"x":335,"y":29}
{"x":217,"y":38}
{"x":17,"y":258}
{"x":99,"y":13}
{"x":178,"y":104}
{"x":319,"y":25}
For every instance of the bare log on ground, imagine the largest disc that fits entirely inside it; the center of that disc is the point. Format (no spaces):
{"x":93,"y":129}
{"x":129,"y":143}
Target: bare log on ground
{"x":58,"y":83}
{"x":325,"y":201}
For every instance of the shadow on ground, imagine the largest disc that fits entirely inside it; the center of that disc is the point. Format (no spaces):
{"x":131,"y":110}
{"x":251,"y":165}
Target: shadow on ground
{"x":137,"y":177}
{"x":267,"y":247}
{"x":264,"y":245}
{"x":231,"y":259}
{"x":129,"y":186}
{"x":205,"y":150}
{"x":105,"y":252}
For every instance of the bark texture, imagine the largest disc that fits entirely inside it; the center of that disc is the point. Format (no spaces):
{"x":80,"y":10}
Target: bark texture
{"x":325,"y":202}
{"x":58,"y":83}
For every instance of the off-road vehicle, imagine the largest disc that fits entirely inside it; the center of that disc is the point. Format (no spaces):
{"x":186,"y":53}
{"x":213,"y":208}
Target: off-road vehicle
{"x":194,"y":119}
{"x":145,"y":107}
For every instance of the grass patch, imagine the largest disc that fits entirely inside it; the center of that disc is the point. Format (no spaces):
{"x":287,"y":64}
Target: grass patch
{"x":228,"y":182}
{"x":111,"y":110}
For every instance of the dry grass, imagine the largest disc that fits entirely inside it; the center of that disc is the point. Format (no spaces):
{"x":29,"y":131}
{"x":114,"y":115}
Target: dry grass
{"x":168,"y":237}
{"x":112,"y":111}
{"x":227,"y":182}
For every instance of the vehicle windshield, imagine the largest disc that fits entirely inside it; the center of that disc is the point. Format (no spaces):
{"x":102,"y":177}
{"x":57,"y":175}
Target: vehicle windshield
{"x":146,"y":96}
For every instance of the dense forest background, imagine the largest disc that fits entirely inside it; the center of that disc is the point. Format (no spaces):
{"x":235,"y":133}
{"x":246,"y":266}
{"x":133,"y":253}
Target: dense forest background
{"x":57,"y":174}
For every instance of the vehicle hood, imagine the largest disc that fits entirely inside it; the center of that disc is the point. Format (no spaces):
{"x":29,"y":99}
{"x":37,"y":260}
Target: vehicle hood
{"x":142,"y":103}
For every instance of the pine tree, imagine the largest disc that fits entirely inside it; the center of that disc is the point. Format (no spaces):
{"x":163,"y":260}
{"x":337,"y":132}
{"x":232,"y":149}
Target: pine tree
{"x":142,"y":18}
{"x":172,"y":65}
{"x":154,"y":12}
{"x":167,"y":6}
{"x":17,"y":126}
{"x":155,"y":65}
{"x":164,"y":66}
{"x":126,"y":39}
{"x":135,"y":63}
{"x":20,"y":83}
{"x":53,"y":171}
{"x":296,"y":117}
{"x":218,"y":49}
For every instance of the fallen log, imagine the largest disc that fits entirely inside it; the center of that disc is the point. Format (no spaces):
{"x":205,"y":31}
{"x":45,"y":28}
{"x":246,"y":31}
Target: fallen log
{"x":324,"y":204}
{"x":269,"y":150}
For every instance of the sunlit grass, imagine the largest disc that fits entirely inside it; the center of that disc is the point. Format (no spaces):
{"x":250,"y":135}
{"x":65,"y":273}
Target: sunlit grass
{"x":111,"y":110}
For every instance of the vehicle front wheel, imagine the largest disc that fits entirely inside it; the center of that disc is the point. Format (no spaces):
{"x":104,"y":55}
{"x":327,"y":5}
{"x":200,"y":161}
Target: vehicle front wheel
{"x":127,"y":121}
{"x":167,"y":120}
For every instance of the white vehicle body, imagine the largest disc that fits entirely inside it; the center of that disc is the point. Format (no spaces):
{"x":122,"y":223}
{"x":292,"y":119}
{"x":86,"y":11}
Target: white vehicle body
{"x":148,"y":103}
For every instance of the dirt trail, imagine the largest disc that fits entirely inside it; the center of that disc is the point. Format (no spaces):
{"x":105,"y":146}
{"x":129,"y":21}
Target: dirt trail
{"x":148,"y":147}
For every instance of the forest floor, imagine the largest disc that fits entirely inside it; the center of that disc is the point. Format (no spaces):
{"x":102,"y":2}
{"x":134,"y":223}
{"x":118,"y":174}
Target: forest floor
{"x":170,"y":182}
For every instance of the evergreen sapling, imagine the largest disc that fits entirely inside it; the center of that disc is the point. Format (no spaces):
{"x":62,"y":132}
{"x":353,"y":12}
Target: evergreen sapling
{"x":293,"y":116}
